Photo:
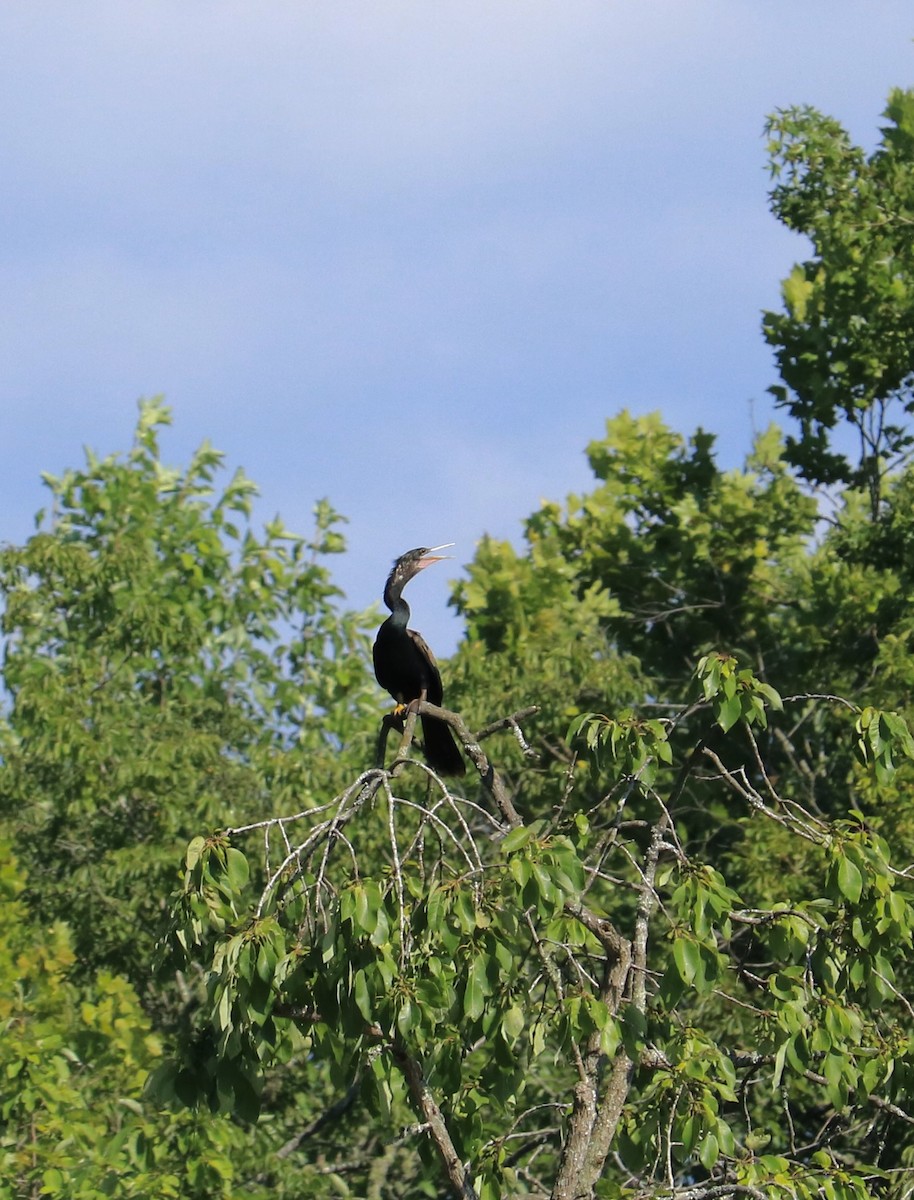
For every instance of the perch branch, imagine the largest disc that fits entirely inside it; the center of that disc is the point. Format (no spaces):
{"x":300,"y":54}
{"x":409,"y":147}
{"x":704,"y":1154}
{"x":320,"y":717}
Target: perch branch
{"x":491,"y":780}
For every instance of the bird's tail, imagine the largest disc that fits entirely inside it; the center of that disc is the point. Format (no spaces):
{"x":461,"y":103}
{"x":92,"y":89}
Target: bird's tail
{"x":441,"y":751}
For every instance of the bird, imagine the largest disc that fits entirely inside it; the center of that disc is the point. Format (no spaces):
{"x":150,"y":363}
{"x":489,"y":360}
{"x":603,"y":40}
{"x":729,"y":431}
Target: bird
{"x":406,"y":667}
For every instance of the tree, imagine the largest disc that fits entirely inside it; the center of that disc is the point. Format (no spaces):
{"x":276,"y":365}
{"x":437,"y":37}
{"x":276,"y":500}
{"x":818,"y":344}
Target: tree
{"x":73,"y":1064}
{"x":584,"y":1004}
{"x":164,"y":665}
{"x":591,"y":981}
{"x":845,"y":342}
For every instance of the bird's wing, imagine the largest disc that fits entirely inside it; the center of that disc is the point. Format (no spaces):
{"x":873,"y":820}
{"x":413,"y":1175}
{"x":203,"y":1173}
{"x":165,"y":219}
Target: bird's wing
{"x":433,"y":686}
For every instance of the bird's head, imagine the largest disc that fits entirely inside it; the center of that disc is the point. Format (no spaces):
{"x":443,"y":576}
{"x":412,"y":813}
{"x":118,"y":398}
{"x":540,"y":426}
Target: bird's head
{"x":414,"y":561}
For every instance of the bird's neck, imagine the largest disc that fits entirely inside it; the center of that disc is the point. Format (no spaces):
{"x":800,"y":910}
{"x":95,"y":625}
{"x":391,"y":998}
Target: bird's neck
{"x":399,"y":609}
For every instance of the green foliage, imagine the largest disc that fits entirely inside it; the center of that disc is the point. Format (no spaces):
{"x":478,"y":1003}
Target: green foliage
{"x":166,"y":667}
{"x":639,"y":747}
{"x":880,"y":737}
{"x":735,"y":695}
{"x":73,"y":1065}
{"x":667,"y":556}
{"x":153,"y":684}
{"x":665,"y":950}
{"x":624,"y":589}
{"x":346,"y":968}
{"x":485,"y":962}
{"x":845,"y":341}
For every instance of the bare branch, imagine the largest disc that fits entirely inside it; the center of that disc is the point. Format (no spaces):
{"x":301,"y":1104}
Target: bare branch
{"x":712,"y":1191}
{"x":739,"y":783}
{"x":435,"y":1123}
{"x":512,"y":722}
{"x":821,"y":696}
{"x":491,"y":780}
{"x":397,"y":870}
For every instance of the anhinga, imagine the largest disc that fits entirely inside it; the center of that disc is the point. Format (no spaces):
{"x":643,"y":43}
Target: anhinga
{"x":406,"y":667}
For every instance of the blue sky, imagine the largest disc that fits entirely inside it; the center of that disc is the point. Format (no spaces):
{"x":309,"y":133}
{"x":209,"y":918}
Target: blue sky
{"x":408,"y":256}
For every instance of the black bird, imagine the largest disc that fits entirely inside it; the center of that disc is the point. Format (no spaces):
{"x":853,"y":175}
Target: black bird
{"x":406,"y":667}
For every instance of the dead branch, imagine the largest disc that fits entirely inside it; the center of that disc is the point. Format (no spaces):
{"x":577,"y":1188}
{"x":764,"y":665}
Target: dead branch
{"x":491,"y":780}
{"x":435,"y":1123}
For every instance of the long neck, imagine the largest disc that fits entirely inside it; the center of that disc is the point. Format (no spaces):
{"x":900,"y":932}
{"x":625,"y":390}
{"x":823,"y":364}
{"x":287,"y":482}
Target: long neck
{"x":399,"y":609}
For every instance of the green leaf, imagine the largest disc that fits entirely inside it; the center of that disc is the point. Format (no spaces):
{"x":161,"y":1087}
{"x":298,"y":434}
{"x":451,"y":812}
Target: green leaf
{"x":194,"y":851}
{"x":634,"y":1029}
{"x":474,"y":996}
{"x":850,"y":880}
{"x":237,"y":868}
{"x":728,"y":712}
{"x":405,"y":1017}
{"x":361,"y":995}
{"x":687,"y":957}
{"x":516,"y":839}
{"x":436,"y":909}
{"x":513,"y":1023}
{"x":708,"y":1151}
{"x":367,"y":907}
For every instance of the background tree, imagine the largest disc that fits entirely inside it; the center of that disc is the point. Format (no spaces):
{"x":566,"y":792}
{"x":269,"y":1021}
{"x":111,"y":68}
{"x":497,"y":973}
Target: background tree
{"x":845,"y":343}
{"x":74,"y":1058}
{"x":166,"y":667}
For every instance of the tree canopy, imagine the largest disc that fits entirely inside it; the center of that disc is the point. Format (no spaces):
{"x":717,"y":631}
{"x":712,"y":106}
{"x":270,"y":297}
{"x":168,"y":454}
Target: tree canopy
{"x":656,"y":945}
{"x":845,"y":340}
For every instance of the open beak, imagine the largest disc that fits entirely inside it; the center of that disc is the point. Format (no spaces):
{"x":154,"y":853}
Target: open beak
{"x":430,"y":556}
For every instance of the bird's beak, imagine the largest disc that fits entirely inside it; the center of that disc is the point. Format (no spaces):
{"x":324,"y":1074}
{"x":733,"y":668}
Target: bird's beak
{"x":430,"y":556}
